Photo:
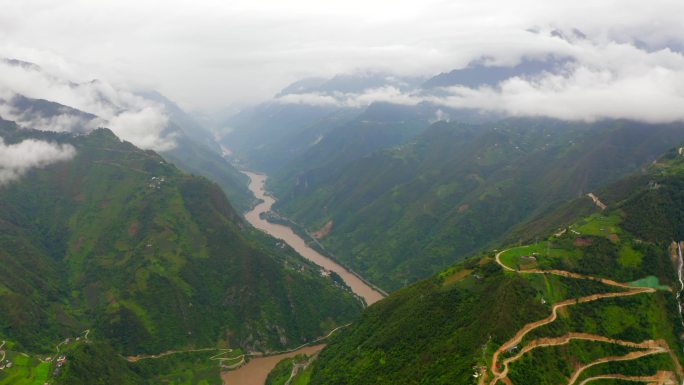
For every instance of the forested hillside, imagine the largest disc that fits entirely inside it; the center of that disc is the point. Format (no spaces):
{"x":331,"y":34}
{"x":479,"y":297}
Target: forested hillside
{"x":594,"y":299}
{"x":405,"y":213}
{"x":148,"y":258}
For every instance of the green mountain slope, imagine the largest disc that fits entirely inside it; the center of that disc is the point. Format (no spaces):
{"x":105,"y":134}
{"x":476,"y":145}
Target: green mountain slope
{"x":121,"y":242}
{"x":610,"y":275}
{"x":405,"y":213}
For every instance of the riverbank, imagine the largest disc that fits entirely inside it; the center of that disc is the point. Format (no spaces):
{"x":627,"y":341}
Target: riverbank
{"x":312,"y":242}
{"x":257,"y":369}
{"x":287,"y":234}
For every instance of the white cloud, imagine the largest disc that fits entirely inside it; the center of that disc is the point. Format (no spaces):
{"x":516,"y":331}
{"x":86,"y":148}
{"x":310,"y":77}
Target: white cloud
{"x":440,"y":116}
{"x":64,"y":122}
{"x":211,"y":53}
{"x":312,"y":99}
{"x":613,"y":81}
{"x":128,"y":124}
{"x":386,"y":94}
{"x":604,"y":80}
{"x":17,"y":159}
{"x":131,"y":117}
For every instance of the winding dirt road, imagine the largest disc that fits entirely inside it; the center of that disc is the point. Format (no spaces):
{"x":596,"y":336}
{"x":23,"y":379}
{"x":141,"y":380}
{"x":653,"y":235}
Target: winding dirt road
{"x":171,"y":352}
{"x":661,"y":378}
{"x":500,"y":371}
{"x":658,"y":349}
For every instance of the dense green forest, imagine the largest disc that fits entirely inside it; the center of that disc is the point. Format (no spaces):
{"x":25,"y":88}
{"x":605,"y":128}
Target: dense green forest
{"x":148,"y":258}
{"x":405,"y":213}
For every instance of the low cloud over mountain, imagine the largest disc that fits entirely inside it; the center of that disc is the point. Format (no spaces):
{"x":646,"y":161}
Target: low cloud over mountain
{"x":593,"y":80}
{"x":64,"y":105}
{"x":17,"y":159}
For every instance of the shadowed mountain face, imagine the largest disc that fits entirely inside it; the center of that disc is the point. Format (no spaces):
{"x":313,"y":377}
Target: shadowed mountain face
{"x":119,"y":241}
{"x":478,"y":75}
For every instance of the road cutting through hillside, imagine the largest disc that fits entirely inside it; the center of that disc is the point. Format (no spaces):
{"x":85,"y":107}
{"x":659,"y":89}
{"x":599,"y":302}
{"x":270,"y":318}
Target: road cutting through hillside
{"x":500,"y":372}
{"x":661,"y":378}
{"x":317,"y":341}
{"x":172,"y":352}
{"x":658,"y":349}
{"x":240,"y":371}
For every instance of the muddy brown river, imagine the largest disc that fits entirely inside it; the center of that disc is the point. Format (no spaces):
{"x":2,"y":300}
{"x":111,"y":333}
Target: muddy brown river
{"x":296,"y":242}
{"x":256,"y":371}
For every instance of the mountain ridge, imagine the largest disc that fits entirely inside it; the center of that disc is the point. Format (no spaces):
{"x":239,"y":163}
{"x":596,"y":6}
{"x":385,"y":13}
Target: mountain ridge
{"x":504,"y":304}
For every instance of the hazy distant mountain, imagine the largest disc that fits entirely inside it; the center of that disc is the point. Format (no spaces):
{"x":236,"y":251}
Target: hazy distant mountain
{"x":351,"y":83}
{"x":273,"y":134}
{"x":380,"y":126}
{"x":479,"y":74}
{"x":319,"y":120}
{"x":268,"y":135}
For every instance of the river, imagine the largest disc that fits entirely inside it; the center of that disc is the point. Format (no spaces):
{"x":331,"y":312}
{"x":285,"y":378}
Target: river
{"x":256,"y":185}
{"x":257,"y":369}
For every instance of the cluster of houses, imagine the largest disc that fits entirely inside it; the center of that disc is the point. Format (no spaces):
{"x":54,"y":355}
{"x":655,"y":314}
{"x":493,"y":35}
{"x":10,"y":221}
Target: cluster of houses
{"x":479,"y":370}
{"x":156,"y":182}
{"x":61,"y":360}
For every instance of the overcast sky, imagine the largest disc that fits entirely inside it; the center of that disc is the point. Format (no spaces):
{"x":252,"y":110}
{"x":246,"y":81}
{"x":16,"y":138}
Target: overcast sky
{"x":208,"y":54}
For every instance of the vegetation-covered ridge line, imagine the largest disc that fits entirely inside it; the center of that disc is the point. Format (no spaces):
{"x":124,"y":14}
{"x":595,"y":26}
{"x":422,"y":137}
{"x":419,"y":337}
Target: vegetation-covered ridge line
{"x":653,"y":347}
